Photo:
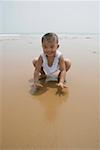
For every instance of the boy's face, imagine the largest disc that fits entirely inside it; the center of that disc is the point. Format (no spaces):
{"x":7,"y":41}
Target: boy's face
{"x":50,"y":47}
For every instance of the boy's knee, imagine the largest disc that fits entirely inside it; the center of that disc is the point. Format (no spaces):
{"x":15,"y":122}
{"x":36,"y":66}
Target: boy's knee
{"x":34,"y":61}
{"x":68,"y":64}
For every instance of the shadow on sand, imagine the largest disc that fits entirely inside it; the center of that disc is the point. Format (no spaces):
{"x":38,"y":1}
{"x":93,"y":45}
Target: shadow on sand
{"x":50,"y":98}
{"x":46,"y":86}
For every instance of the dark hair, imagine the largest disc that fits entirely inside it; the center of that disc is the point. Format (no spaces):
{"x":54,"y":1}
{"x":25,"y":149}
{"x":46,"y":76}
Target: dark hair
{"x":50,"y":37}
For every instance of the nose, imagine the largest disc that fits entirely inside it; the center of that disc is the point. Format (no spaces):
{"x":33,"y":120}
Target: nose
{"x":49,"y":49}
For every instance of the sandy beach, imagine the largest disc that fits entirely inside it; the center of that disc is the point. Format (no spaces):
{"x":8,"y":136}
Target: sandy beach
{"x":47,"y":120}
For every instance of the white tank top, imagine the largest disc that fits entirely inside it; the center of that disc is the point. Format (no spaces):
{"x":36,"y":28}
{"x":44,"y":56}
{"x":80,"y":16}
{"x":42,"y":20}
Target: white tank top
{"x":55,"y":66}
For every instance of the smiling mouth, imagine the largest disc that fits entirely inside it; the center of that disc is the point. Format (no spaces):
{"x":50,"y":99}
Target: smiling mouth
{"x":49,"y":53}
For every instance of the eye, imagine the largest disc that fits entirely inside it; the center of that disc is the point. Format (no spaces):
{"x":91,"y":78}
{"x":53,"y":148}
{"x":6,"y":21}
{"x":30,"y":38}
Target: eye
{"x":45,"y":47}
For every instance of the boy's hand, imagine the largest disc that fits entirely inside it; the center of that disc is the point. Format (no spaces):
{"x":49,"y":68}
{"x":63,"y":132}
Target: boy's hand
{"x":60,"y":91}
{"x":37,"y":85}
{"x":61,"y":86}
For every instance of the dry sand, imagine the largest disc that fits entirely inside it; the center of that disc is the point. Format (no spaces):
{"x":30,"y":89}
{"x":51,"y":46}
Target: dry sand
{"x":47,"y":120}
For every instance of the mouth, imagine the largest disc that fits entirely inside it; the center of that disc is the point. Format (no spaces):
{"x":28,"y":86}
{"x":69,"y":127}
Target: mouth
{"x":49,"y":53}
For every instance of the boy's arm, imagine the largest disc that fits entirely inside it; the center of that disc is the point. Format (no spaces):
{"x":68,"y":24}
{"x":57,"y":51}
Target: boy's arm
{"x":37,"y":70}
{"x":62,"y":72}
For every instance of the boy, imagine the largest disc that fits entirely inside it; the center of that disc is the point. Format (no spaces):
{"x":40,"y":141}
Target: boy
{"x":50,"y":61}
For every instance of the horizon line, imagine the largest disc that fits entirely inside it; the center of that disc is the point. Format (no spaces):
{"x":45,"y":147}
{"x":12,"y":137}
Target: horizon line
{"x":38,"y":33}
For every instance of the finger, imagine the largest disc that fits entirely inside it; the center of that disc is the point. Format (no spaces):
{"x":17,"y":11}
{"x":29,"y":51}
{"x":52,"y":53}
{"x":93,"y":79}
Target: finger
{"x":60,"y":87}
{"x":65,"y":86}
{"x":59,"y":84}
{"x":32,"y":85}
{"x":39,"y":85}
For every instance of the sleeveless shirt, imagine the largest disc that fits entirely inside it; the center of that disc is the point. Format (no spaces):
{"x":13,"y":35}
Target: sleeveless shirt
{"x":55,"y":66}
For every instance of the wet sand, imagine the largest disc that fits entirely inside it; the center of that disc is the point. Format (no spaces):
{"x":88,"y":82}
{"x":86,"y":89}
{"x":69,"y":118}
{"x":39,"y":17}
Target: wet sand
{"x":48,"y":120}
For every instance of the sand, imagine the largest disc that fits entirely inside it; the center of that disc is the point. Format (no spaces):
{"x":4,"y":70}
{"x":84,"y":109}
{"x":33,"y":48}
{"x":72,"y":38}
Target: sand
{"x":47,"y":120}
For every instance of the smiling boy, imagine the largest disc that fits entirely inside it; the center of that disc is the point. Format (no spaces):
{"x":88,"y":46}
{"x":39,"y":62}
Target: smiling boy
{"x":50,"y":61}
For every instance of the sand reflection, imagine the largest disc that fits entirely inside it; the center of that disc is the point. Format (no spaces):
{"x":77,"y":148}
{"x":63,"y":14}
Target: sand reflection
{"x":50,"y":98}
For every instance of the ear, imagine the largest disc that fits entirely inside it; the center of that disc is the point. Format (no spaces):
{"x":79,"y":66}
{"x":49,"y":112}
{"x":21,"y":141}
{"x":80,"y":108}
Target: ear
{"x":58,"y":46}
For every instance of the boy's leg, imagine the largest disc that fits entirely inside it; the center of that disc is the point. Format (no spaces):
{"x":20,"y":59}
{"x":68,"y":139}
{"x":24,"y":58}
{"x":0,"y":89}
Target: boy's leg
{"x":67,"y":65}
{"x":43,"y":75}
